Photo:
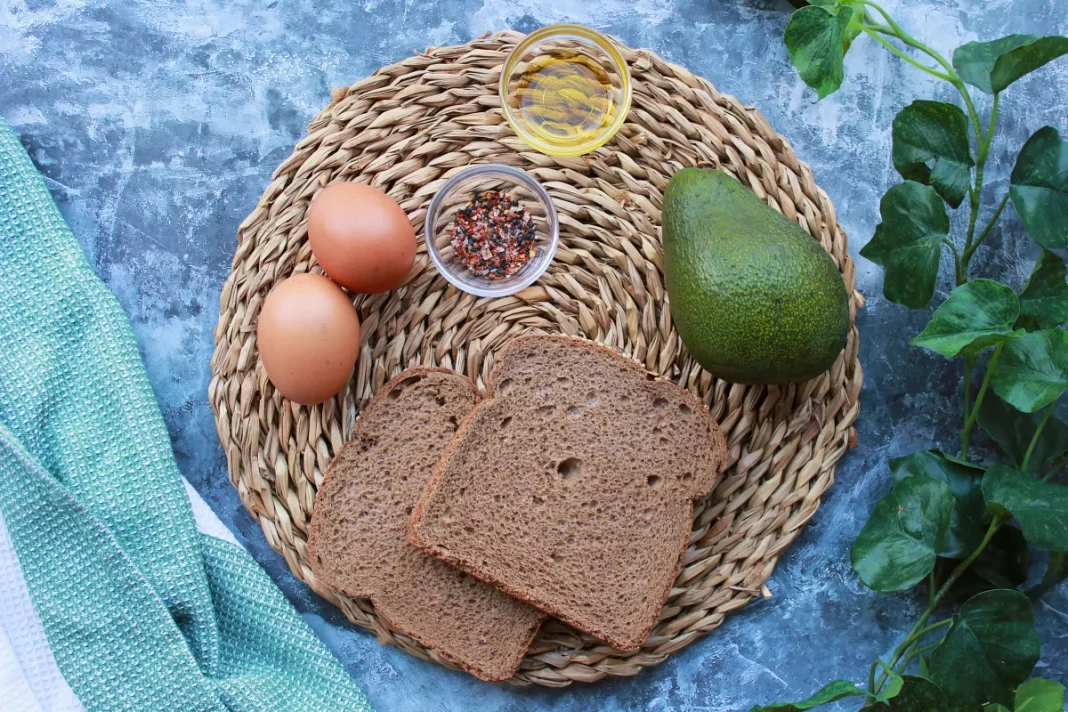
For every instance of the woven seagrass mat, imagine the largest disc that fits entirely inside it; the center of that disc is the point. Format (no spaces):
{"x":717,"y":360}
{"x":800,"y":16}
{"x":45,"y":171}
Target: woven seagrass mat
{"x":406,"y":129}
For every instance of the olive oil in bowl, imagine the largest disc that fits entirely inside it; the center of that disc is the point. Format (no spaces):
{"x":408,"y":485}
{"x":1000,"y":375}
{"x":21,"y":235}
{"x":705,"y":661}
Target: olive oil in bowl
{"x":565,"y":98}
{"x":565,"y":90}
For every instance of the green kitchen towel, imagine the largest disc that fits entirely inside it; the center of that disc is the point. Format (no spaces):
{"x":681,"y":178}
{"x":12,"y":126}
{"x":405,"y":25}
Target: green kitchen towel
{"x":140,"y":610}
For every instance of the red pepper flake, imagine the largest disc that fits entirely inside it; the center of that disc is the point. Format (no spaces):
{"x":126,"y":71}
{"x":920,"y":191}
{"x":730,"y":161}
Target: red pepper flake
{"x":493,"y":235}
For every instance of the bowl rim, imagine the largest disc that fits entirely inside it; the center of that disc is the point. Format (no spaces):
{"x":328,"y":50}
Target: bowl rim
{"x":508,"y":286}
{"x":605,"y":44}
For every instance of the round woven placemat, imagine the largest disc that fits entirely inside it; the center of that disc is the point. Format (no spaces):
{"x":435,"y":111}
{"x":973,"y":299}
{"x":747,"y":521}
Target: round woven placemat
{"x":407,"y":128}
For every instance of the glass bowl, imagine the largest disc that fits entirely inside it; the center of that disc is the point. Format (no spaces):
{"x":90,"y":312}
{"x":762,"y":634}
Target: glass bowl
{"x":457,"y":193}
{"x":565,"y":89}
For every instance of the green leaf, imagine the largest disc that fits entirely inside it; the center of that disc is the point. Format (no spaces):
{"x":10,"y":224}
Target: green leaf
{"x":893,"y":686}
{"x":931,"y":147}
{"x":832,"y":692}
{"x":898,"y":545}
{"x":815,"y":42}
{"x":1039,"y":695}
{"x":851,"y":31}
{"x":969,"y":517}
{"x":923,"y":663}
{"x":991,"y":648}
{"x":993,"y":66}
{"x":1040,"y":507}
{"x":908,"y":242}
{"x":1044,"y":299}
{"x":976,"y":315}
{"x":1033,"y":370}
{"x":1013,"y":432}
{"x":1039,"y":188}
{"x":916,"y":695}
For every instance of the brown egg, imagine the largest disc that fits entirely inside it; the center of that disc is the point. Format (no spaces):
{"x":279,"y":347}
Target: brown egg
{"x":308,"y":334}
{"x":362,"y":239}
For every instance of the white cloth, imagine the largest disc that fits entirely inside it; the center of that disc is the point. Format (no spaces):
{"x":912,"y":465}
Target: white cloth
{"x":30,"y":680}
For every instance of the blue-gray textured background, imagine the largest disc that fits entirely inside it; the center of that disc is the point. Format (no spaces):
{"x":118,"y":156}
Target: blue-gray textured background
{"x":157,"y":125}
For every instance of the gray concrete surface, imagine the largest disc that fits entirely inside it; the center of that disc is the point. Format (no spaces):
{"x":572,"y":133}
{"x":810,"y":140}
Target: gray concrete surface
{"x":157,"y":125}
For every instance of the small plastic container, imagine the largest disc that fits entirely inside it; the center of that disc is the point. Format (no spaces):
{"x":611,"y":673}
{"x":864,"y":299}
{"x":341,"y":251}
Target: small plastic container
{"x":457,"y":193}
{"x":565,"y":90}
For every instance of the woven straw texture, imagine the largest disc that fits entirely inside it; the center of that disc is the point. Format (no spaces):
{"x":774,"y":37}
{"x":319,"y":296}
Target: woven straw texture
{"x":406,"y":129}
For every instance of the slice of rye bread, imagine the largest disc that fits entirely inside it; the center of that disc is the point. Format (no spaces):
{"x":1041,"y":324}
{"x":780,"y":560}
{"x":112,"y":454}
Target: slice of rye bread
{"x":571,"y":486}
{"x":358,"y":543}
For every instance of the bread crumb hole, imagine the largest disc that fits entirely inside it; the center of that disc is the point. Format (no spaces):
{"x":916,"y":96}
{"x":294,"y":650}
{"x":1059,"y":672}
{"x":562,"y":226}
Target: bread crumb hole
{"x":506,"y":421}
{"x":687,"y":478}
{"x":461,"y":493}
{"x":563,"y":381}
{"x":469,"y":530}
{"x":505,"y":386}
{"x":556,"y":557}
{"x":570,"y":468}
{"x":685,"y":409}
{"x":401,"y":385}
{"x":440,"y":400}
{"x":647,"y":514}
{"x":660,"y":403}
{"x":546,"y":410}
{"x":574,"y":412}
{"x":408,"y":510}
{"x":591,"y":398}
{"x":664,"y":441}
{"x":653,"y":480}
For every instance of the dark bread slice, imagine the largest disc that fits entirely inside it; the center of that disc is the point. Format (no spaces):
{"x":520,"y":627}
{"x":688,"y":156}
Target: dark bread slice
{"x":571,"y":486}
{"x":358,"y":543}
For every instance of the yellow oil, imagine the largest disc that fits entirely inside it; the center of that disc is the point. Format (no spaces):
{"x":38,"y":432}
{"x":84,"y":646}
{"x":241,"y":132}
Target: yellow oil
{"x":565,"y":97}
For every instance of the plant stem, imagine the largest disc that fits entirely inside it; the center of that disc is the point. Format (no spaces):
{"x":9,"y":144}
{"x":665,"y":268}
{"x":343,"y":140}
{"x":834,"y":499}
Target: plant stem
{"x":931,"y":587}
{"x":918,"y":635}
{"x":970,"y":250}
{"x":912,"y":41}
{"x":916,"y":652}
{"x":920,"y":629}
{"x":1054,"y":468}
{"x":956,"y":261}
{"x":982,"y":142}
{"x":974,"y":415}
{"x":995,"y":524}
{"x":887,"y":672}
{"x":984,"y":148}
{"x":1038,"y":433}
{"x":969,"y":367}
{"x":915,"y":636}
{"x":933,"y":72}
{"x":871,"y":676}
{"x":958,"y":83}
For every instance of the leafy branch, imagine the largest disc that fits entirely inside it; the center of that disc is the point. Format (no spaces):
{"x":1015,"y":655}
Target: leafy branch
{"x":965,"y":529}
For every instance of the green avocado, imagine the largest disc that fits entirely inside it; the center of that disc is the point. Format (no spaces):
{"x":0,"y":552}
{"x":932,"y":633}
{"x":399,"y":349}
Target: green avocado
{"x":754,"y":298}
